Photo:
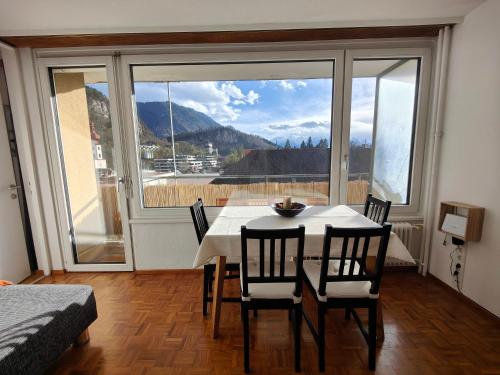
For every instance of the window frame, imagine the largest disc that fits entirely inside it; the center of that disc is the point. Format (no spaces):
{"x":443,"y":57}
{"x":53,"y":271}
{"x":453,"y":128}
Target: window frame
{"x":343,"y":51}
{"x":177,"y":214}
{"x":420,"y":131}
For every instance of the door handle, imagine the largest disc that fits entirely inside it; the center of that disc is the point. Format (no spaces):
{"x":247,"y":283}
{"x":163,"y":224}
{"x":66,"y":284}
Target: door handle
{"x":14,"y":187}
{"x":120,"y":181}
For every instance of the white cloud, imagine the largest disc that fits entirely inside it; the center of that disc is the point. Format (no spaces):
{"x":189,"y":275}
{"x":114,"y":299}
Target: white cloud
{"x":285,"y":85}
{"x":252,"y":97}
{"x":207,"y":97}
{"x":301,"y":84}
{"x":362,"y":114}
{"x":232,"y":90}
{"x":215,"y":99}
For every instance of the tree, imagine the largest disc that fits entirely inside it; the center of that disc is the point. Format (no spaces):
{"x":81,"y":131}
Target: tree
{"x":323,"y":143}
{"x":235,"y":156}
{"x":303,"y":145}
{"x":287,"y":145}
{"x":309,"y":143}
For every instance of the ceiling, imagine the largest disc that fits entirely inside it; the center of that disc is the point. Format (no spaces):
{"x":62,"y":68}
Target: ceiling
{"x":53,"y":17}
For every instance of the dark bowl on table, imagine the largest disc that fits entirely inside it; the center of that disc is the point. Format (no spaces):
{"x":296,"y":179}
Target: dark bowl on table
{"x":296,"y":209}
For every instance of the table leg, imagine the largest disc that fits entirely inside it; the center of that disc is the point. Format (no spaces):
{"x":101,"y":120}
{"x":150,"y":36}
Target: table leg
{"x":220,"y":270}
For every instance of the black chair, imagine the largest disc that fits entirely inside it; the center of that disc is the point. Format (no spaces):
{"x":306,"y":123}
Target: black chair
{"x":272,"y":284}
{"x":377,"y":209}
{"x":344,"y":282}
{"x":201,"y":227}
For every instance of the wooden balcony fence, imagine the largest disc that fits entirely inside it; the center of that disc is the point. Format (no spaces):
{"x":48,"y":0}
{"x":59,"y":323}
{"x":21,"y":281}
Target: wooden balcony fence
{"x":172,"y":195}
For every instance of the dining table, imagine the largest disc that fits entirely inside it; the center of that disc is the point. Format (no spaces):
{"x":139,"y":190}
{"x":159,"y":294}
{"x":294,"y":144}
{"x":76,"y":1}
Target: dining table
{"x":223,"y":239}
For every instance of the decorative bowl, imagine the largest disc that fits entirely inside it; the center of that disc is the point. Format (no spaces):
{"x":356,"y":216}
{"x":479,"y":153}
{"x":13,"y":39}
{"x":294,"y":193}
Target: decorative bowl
{"x":296,"y":209}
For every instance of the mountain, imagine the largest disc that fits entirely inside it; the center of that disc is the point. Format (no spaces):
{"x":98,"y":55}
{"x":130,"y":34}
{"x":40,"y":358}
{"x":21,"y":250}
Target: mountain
{"x":100,"y":117}
{"x":225,"y":139}
{"x":156,"y":116}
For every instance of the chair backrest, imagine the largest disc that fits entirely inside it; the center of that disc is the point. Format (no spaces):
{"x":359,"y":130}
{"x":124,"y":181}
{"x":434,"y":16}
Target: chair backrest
{"x":272,"y":275}
{"x":377,"y":209}
{"x":352,"y":260}
{"x":199,"y":219}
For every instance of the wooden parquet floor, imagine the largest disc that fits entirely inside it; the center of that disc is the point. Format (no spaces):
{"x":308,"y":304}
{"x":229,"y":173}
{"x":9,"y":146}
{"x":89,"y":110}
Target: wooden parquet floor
{"x":152,"y":324}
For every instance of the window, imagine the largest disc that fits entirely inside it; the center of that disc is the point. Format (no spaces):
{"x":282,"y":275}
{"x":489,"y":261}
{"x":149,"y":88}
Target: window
{"x":325,"y":127}
{"x":382,"y":129}
{"x":234,"y":133}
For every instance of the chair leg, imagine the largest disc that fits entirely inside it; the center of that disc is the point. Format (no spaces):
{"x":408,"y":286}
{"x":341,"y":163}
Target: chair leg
{"x":246,"y":338}
{"x":372,"y":336}
{"x":210,"y":281}
{"x":297,"y":323}
{"x":348,"y":313}
{"x":321,"y":336}
{"x":206,"y":281}
{"x":380,"y":322}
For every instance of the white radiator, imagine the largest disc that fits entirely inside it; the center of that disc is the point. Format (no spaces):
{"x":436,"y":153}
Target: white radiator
{"x":410,"y":234}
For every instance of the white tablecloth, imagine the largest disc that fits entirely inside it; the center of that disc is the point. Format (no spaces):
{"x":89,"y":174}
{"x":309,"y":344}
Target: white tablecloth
{"x":224,"y":236}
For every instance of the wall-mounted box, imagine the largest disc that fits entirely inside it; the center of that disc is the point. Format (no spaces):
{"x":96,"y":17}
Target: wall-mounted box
{"x":473,"y":214}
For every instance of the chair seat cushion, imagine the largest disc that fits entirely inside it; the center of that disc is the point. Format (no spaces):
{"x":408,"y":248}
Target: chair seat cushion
{"x":270,"y":290}
{"x":337,"y":289}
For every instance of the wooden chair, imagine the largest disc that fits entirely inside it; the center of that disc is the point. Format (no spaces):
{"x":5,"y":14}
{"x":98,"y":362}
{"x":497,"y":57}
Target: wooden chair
{"x":201,"y":227}
{"x":377,"y":209}
{"x":344,"y":282}
{"x":272,"y":284}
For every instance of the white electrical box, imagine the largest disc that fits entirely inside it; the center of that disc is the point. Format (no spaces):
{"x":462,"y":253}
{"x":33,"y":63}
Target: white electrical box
{"x":454,"y":225}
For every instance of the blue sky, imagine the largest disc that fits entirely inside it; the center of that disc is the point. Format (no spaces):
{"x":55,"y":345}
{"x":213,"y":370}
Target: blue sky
{"x":274,"y":109}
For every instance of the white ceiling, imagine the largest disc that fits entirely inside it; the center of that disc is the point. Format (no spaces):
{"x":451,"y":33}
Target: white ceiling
{"x":32,"y":17}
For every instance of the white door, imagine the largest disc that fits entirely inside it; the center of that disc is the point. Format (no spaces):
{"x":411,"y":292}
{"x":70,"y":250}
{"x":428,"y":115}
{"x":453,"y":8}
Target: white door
{"x":84,"y":135}
{"x":14,"y":263}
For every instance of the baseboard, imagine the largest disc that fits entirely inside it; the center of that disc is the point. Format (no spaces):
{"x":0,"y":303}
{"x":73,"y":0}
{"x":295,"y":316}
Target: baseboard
{"x":34,"y":278}
{"x":396,"y":269}
{"x":463,"y":297}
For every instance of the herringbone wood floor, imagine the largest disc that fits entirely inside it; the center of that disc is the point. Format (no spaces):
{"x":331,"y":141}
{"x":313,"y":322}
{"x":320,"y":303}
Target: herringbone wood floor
{"x":152,"y":324}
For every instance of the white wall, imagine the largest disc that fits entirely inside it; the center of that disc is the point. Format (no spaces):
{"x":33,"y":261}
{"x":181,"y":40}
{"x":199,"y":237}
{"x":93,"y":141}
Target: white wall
{"x":164,"y":245}
{"x":469,"y":168}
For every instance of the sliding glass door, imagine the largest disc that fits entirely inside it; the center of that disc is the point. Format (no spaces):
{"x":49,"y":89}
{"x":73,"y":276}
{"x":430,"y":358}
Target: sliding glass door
{"x":87,"y":140}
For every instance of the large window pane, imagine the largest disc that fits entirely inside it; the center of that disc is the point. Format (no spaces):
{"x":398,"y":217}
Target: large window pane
{"x":384,"y":95}
{"x":246,"y":133}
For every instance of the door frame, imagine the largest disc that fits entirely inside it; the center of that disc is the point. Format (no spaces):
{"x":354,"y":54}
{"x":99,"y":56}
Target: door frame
{"x":56,"y":167}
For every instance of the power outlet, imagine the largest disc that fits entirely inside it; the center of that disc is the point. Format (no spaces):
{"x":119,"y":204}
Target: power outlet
{"x":458,"y":267}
